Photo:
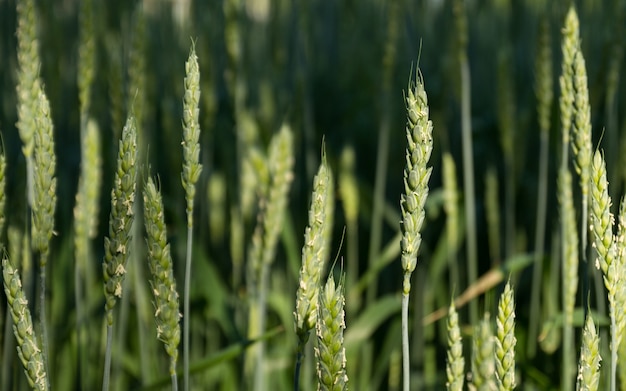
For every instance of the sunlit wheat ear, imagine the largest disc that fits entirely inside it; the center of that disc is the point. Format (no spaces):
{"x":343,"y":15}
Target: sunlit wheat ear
{"x":116,"y":245}
{"x":330,"y":351}
{"x":589,"y":364}
{"x":167,"y":313}
{"x":505,"y":340}
{"x":191,"y":132}
{"x":419,"y":137}
{"x":44,"y":204}
{"x":609,"y":256}
{"x":455,"y":364}
{"x":28,"y":349}
{"x":569,"y":46}
{"x":609,"y":259}
{"x":313,"y":253}
{"x":483,"y":357}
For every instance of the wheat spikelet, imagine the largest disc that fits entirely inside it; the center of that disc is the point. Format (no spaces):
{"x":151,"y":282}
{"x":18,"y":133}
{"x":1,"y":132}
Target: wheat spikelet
{"x":455,"y":364}
{"x":28,"y":350}
{"x":163,"y":284}
{"x":505,"y":340}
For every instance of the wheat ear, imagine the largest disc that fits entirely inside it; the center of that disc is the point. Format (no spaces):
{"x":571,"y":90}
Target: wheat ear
{"x":44,"y":202}
{"x":190,"y":175}
{"x":28,"y":349}
{"x":330,"y":351}
{"x":163,"y":284}
{"x":455,"y":363}
{"x":483,"y":357}
{"x":314,"y":257}
{"x":589,"y":364}
{"x":608,"y":261}
{"x":28,"y":84}
{"x":419,"y":135}
{"x":505,"y":340}
{"x":117,"y":244}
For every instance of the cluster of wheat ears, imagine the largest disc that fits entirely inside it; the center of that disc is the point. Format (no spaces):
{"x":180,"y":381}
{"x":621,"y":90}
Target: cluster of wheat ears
{"x":137,"y":210}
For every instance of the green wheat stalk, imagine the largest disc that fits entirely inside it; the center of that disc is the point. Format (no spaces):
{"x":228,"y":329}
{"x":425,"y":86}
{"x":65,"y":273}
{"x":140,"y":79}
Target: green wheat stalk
{"x":462,"y":38}
{"x":505,"y":340}
{"x":163,"y":284}
{"x":330,"y":351}
{"x":492,"y":213}
{"x":28,"y":350}
{"x":569,"y":271}
{"x":451,"y":207}
{"x":314,"y":257}
{"x":190,"y":175}
{"x":117,"y":244}
{"x":545,"y":96}
{"x":455,"y":363}
{"x":419,"y":137}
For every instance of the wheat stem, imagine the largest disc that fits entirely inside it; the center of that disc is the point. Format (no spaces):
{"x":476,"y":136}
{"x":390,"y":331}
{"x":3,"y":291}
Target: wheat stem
{"x":416,"y":176}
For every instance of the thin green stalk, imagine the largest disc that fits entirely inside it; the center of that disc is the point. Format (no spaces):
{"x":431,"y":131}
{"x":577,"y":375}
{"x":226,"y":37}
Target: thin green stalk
{"x":451,"y":199}
{"x":190,"y":175}
{"x":544,"y":93}
{"x":569,"y":273}
{"x":468,"y":153}
{"x":107,"y":358}
{"x":419,"y":137}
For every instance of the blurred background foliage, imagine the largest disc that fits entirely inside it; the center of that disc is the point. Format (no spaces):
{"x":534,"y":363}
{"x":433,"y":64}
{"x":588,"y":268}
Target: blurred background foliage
{"x":335,"y":71}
